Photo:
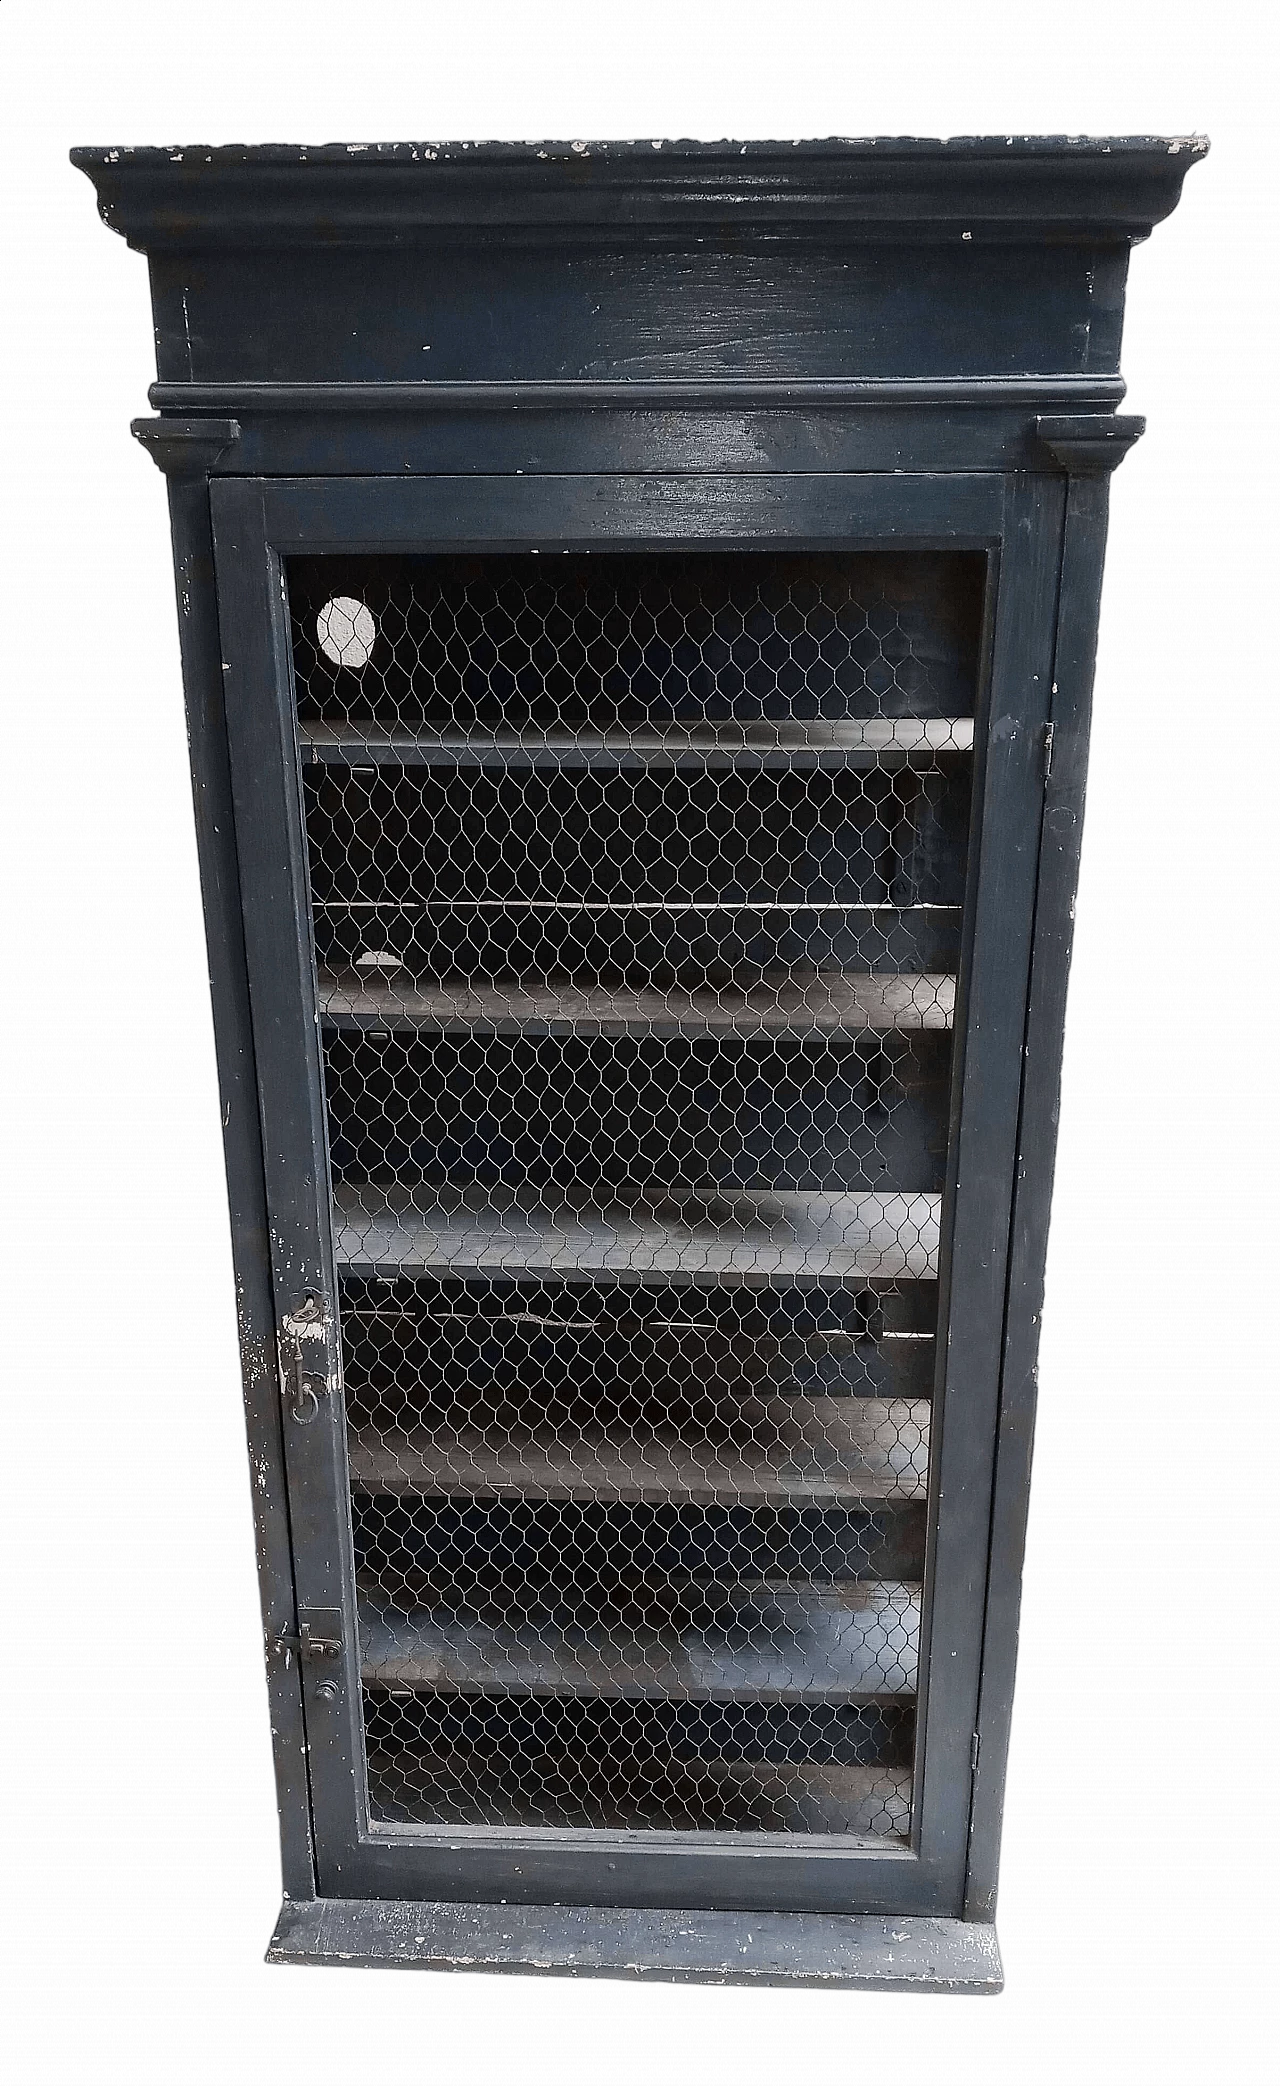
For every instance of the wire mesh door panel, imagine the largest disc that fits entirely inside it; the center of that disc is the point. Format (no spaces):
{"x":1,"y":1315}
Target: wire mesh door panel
{"x":637,"y":885}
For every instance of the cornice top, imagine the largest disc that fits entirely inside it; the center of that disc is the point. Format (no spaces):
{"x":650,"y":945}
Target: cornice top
{"x":874,"y":189}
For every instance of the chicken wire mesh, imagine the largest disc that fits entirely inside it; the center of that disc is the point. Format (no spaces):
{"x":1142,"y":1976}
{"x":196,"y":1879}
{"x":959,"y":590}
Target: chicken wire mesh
{"x":637,"y":887}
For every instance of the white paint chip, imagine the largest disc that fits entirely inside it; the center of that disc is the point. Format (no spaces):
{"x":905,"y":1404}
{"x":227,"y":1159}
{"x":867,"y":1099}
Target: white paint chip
{"x":346,"y":632}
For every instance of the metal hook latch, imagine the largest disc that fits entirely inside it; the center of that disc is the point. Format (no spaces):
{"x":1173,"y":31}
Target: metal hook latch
{"x":304,"y":1329}
{"x":305,"y":1392}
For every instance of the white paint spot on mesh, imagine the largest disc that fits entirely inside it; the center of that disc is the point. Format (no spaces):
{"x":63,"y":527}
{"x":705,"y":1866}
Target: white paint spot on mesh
{"x":346,"y":632}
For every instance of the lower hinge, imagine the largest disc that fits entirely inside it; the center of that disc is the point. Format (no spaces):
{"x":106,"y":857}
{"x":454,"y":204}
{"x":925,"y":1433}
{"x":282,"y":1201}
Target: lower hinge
{"x":975,"y":1747}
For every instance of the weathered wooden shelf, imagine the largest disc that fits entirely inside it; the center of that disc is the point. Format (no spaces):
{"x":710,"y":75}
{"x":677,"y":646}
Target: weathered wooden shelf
{"x":860,"y":741}
{"x":837,"y":1643}
{"x":762,"y":1797}
{"x":822,"y":1451}
{"x":736,"y":428}
{"x":823,"y":1000}
{"x":736,"y":1236}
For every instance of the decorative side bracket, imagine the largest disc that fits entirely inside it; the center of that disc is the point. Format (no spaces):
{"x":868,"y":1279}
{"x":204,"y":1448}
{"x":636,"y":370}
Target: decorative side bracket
{"x":1088,"y":444}
{"x":185,"y":448}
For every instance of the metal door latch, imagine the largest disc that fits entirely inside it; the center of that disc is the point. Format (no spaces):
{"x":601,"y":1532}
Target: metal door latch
{"x":307,"y":1644}
{"x":304,"y":1339}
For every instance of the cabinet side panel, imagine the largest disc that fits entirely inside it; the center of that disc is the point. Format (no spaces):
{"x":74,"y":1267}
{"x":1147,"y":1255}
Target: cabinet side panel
{"x":990,"y":1020}
{"x":242,"y":1145}
{"x":1083,"y":547}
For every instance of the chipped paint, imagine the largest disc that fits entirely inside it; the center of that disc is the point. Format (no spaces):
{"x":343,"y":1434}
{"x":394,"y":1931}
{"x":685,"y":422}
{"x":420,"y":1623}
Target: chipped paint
{"x":814,"y":1949}
{"x":304,"y":1329}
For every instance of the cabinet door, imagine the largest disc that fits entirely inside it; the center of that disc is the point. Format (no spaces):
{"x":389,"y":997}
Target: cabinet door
{"x":638,"y":876}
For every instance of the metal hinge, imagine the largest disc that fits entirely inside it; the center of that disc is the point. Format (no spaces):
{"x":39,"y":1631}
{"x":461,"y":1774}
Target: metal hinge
{"x":307,"y":1644}
{"x":1049,"y":731}
{"x":304,"y":1338}
{"x":975,"y":1747}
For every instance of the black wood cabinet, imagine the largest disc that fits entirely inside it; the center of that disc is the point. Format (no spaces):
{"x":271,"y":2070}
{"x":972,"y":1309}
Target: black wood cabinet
{"x":638,"y":606}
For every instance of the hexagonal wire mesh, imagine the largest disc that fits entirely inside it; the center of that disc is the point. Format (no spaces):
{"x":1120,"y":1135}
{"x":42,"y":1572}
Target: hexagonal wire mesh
{"x":637,"y":888}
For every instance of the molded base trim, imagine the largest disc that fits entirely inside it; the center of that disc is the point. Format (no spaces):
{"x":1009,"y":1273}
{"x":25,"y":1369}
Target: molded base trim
{"x":717,"y":1948}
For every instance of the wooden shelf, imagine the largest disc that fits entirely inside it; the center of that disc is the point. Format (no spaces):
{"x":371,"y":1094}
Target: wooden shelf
{"x":754,"y":1796}
{"x":786,"y":1005}
{"x":839,"y":1643}
{"x":863,"y":741}
{"x":736,"y":1236}
{"x":817,"y":1452}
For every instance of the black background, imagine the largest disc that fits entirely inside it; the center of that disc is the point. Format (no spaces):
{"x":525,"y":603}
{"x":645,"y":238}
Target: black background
{"x":1116,"y":1744}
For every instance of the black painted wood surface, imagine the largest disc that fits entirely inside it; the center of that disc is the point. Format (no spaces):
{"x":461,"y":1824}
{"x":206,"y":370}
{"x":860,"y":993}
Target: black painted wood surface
{"x":832,"y":344}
